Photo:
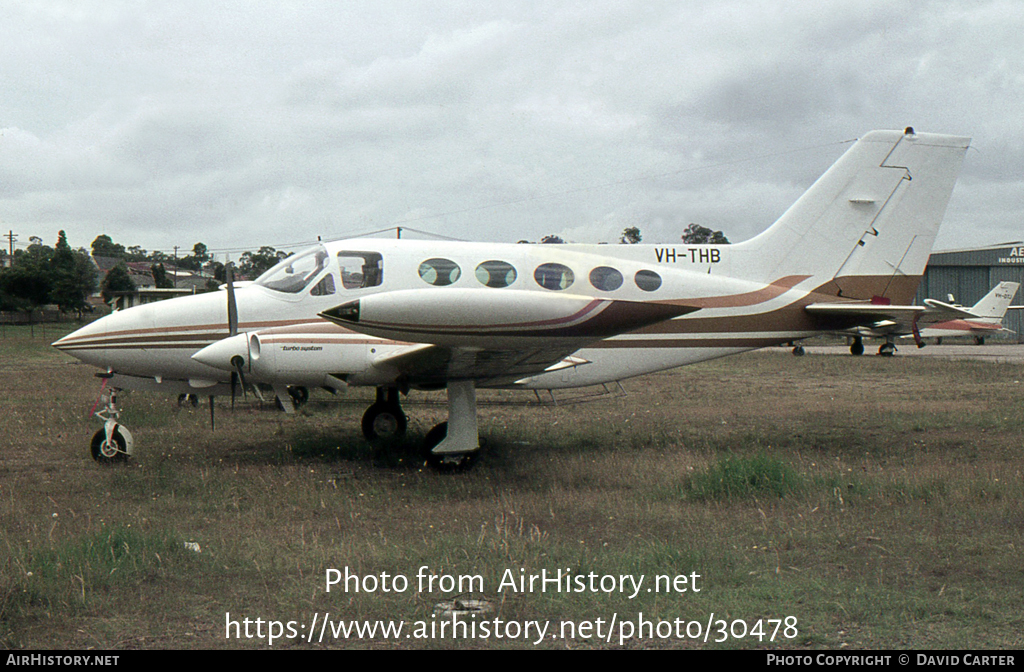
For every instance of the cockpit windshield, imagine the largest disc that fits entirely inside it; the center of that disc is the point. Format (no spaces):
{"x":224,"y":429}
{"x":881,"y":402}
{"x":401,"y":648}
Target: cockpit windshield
{"x":296,"y":272}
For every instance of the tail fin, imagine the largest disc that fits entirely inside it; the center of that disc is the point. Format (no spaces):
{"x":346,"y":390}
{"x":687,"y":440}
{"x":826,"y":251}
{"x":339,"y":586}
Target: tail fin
{"x":868,"y":224}
{"x":995,"y":303}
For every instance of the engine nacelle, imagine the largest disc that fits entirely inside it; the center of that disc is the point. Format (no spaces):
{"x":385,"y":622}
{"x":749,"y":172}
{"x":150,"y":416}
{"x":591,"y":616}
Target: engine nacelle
{"x":312,"y":355}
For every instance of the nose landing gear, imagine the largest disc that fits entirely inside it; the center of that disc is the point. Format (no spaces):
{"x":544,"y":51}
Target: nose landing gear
{"x":114,"y":442}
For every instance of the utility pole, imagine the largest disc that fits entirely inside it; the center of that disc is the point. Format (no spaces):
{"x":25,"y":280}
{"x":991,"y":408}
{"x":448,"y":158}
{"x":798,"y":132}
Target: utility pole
{"x":11,"y":236}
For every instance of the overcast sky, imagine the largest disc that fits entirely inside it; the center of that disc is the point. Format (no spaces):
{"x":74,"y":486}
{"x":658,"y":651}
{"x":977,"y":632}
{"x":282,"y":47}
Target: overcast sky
{"x":258,"y":122}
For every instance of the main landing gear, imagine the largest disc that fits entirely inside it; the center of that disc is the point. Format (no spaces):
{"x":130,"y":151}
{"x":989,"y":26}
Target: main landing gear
{"x":453,"y":445}
{"x":449,"y":446}
{"x":384,"y":420}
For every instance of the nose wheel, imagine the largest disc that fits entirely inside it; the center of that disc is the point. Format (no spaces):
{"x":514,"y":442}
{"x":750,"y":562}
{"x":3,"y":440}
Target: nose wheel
{"x":113,"y":443}
{"x":109,"y":449}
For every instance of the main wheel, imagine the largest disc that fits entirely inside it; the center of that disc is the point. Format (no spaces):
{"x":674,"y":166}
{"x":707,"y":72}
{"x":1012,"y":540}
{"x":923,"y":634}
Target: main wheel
{"x":299,"y":395}
{"x":384,"y":422}
{"x":446,"y":462}
{"x":857,"y":348}
{"x":108,"y":452}
{"x":887,"y":350}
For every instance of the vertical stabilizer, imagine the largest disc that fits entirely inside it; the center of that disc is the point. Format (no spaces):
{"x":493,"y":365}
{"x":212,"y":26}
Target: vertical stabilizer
{"x":868,"y":224}
{"x":994,"y":304}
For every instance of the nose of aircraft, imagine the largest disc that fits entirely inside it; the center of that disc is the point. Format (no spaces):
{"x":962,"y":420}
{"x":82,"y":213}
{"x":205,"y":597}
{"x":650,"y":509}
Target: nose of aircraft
{"x":87,"y":343}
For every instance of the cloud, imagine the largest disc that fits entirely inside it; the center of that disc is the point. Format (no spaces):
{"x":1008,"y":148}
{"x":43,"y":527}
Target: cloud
{"x":244,"y":124}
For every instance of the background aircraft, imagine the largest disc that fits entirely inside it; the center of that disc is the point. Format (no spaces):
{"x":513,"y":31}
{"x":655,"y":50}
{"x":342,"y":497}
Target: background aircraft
{"x":879,"y":320}
{"x":988,"y":316}
{"x":404,"y":315}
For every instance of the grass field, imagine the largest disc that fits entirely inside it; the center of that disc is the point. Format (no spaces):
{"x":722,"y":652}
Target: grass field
{"x":877,"y":502}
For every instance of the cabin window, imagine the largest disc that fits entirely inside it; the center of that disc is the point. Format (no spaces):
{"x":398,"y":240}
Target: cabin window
{"x":360,"y":269}
{"x":296,"y":272}
{"x":496,"y":273}
{"x":325,"y":287}
{"x":440,"y":272}
{"x":647,"y":280}
{"x":606,"y":278}
{"x":554,"y":276}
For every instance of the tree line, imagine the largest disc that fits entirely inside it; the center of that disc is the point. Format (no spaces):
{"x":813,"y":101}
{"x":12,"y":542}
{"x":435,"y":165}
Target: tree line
{"x":693,"y":234}
{"x":40,"y":275}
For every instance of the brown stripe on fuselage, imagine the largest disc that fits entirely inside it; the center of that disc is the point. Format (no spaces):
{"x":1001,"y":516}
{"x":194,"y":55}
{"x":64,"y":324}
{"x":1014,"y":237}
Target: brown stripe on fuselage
{"x":766,"y":293}
{"x":215,"y":328}
{"x":793,"y":317}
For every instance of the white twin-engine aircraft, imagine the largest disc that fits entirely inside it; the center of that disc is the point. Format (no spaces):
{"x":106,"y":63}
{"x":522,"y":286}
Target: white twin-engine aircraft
{"x":405,"y":315}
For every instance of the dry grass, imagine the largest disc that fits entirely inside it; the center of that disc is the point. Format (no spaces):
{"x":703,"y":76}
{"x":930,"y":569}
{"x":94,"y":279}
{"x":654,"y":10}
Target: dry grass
{"x":877,"y":501}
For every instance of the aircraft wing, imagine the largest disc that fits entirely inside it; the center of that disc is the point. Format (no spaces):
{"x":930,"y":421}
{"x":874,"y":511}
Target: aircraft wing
{"x":426,"y":364}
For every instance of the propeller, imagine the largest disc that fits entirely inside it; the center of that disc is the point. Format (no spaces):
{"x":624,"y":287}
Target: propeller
{"x":237,"y":376}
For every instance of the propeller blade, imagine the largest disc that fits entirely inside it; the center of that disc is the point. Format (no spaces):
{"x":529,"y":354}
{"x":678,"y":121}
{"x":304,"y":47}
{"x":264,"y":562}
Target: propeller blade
{"x":229,"y":275}
{"x":238,"y":375}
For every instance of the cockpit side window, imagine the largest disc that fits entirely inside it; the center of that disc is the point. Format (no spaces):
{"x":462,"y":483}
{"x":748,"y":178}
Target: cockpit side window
{"x":325,"y":287}
{"x":360,"y":269}
{"x":296,"y":272}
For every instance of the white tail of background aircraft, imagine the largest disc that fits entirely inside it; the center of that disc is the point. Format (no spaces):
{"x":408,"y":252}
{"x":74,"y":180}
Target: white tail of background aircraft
{"x":403,"y":315}
{"x":993,"y":306}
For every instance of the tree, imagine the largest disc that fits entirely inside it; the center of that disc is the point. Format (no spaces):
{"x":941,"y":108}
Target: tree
{"x":136,"y":253}
{"x":72,"y":278}
{"x":26,"y":286}
{"x":631,"y":236}
{"x":118,"y":280}
{"x":160,"y":279}
{"x":200,"y":253}
{"x":552,"y":239}
{"x":103,"y":246}
{"x":695,"y":234}
{"x":254,"y":264}
{"x":195,"y":261}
